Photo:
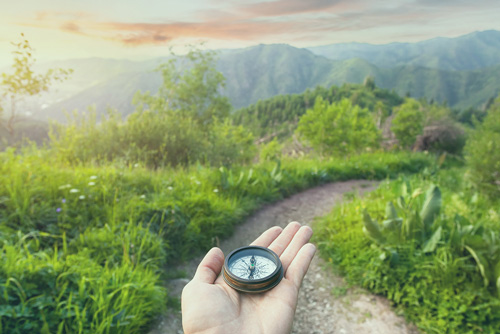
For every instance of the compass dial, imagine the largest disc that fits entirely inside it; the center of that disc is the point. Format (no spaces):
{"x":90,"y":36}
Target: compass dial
{"x":252,"y":269}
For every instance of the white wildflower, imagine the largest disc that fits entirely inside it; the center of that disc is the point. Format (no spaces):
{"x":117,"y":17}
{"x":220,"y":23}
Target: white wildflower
{"x":136,"y":165}
{"x":170,"y":188}
{"x":91,"y":184}
{"x":216,"y":190}
{"x":93,"y":177}
{"x":74,"y":191}
{"x":65,"y":186}
{"x":142,"y":196}
{"x":82,"y":197}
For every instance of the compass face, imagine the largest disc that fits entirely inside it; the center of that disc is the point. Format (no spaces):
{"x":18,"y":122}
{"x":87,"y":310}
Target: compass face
{"x":252,"y":269}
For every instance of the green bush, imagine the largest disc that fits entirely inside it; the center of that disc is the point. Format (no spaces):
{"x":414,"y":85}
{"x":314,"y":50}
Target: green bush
{"x":408,"y":123}
{"x":483,"y":152}
{"x":437,"y":267}
{"x":338,"y":128}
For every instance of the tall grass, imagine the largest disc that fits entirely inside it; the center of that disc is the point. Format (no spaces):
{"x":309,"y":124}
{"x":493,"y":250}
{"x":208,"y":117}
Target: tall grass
{"x":83,"y":247}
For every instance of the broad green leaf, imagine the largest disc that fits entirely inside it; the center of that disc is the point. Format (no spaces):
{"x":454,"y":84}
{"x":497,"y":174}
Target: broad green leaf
{"x":432,"y":206}
{"x":431,"y":244}
{"x":390,"y":211}
{"x":372,"y":229}
{"x":482,"y":264}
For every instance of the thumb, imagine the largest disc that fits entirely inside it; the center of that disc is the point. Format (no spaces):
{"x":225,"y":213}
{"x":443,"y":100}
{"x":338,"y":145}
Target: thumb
{"x":210,"y":267}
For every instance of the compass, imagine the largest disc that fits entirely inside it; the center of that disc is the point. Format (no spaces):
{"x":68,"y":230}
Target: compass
{"x":252,"y":269}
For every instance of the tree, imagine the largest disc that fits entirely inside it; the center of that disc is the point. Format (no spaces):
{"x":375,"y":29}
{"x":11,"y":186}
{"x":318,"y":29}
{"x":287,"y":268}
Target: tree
{"x":338,"y":128}
{"x":191,"y":86}
{"x":23,"y":82}
{"x":408,"y":123}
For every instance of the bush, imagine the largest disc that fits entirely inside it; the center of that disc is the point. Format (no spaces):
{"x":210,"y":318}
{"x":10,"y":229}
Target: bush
{"x":408,"y":123}
{"x":483,"y":152}
{"x":436,"y":266}
{"x":338,"y":128}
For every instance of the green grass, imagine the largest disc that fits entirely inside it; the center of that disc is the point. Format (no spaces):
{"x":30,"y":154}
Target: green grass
{"x":84,"y":248}
{"x":448,"y":285}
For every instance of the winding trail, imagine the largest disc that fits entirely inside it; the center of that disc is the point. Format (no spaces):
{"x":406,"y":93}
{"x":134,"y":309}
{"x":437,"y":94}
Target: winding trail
{"x":326,"y":304}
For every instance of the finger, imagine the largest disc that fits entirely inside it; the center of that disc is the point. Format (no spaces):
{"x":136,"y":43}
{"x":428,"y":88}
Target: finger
{"x":298,"y":268}
{"x":300,"y":239}
{"x":210,"y":267}
{"x":266,"y":238}
{"x":282,"y":241}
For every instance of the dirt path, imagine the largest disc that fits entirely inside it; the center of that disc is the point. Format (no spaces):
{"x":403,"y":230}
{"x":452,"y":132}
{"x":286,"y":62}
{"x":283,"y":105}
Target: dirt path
{"x":326,"y":304}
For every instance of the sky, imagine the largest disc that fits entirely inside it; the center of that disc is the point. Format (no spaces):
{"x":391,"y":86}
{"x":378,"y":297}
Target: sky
{"x":144,"y":29}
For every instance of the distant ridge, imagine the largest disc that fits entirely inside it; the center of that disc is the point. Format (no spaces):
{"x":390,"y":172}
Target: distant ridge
{"x":437,"y":69}
{"x":468,"y":52}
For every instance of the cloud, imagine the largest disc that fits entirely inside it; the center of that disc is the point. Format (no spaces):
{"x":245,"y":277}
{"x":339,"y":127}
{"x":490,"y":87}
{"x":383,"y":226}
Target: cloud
{"x":287,"y":7}
{"x":71,"y":27}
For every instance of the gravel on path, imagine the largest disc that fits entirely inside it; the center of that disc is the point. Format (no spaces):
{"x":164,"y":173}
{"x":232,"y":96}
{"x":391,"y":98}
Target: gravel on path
{"x":326,"y":303}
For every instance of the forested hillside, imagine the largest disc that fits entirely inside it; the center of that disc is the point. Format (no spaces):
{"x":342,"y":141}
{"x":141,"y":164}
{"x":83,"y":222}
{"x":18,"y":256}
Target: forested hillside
{"x":278,"y":116}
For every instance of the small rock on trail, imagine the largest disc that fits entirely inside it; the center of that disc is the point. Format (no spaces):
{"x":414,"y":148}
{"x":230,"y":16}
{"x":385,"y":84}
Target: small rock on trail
{"x":326,"y":304}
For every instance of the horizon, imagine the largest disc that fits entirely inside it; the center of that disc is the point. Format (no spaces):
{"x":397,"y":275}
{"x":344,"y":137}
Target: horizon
{"x":114,"y":30}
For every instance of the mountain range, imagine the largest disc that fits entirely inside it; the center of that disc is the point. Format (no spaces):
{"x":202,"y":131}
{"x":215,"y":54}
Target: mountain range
{"x":462,"y":71}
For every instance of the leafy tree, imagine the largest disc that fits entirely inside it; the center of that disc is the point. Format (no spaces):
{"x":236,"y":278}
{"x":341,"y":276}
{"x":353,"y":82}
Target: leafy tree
{"x":483,"y":152}
{"x":191,"y":86}
{"x":23,"y":82}
{"x":338,"y":128}
{"x":184,"y":122}
{"x":408,"y":123}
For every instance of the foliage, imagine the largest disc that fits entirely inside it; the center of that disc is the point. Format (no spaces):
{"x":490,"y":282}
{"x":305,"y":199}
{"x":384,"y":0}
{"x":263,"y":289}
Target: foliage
{"x":183,"y":123}
{"x":271,"y":151}
{"x":338,"y":128}
{"x":82,"y":248}
{"x":279,"y":115}
{"x":191,"y":86}
{"x":483,"y":152}
{"x":435,"y":254}
{"x":24,"y":82}
{"x":408,"y":123}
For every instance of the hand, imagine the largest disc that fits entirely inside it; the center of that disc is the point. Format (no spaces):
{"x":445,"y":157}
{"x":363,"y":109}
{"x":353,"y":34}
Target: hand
{"x":209,"y":305}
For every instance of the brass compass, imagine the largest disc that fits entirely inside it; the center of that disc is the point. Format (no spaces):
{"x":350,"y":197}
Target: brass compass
{"x":252,"y":269}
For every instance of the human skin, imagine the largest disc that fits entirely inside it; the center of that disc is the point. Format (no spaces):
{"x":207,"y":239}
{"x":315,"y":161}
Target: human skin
{"x":209,"y":305}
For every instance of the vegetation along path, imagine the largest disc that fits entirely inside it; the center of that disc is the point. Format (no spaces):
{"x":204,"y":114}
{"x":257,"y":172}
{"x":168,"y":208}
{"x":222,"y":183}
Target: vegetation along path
{"x":326,"y":303}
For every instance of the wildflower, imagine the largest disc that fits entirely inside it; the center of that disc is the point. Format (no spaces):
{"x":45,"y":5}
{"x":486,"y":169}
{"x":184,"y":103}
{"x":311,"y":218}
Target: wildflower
{"x":131,"y":245}
{"x":82,"y":197}
{"x":91,"y":184}
{"x":65,"y":186}
{"x":197,"y":182}
{"x":93,"y":177}
{"x":136,"y":165}
{"x":58,"y":210}
{"x":63,"y":200}
{"x":74,"y":191}
{"x":142,"y":196}
{"x":170,"y":188}
{"x":216,"y":190}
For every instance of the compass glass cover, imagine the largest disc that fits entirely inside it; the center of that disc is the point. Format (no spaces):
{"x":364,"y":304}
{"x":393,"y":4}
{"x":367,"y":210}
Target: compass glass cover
{"x":252,"y":264}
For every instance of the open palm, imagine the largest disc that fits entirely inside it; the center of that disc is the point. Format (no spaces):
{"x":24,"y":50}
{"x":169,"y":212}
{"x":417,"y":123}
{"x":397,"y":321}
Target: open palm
{"x":209,"y":305}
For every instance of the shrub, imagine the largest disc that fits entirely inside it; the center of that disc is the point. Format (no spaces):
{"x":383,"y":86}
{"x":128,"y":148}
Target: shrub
{"x":408,"y":123}
{"x":338,"y":128}
{"x":483,"y":152}
{"x":437,"y":267}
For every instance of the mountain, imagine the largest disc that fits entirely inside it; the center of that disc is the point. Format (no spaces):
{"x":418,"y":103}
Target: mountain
{"x":473,"y":51}
{"x":264,"y":71}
